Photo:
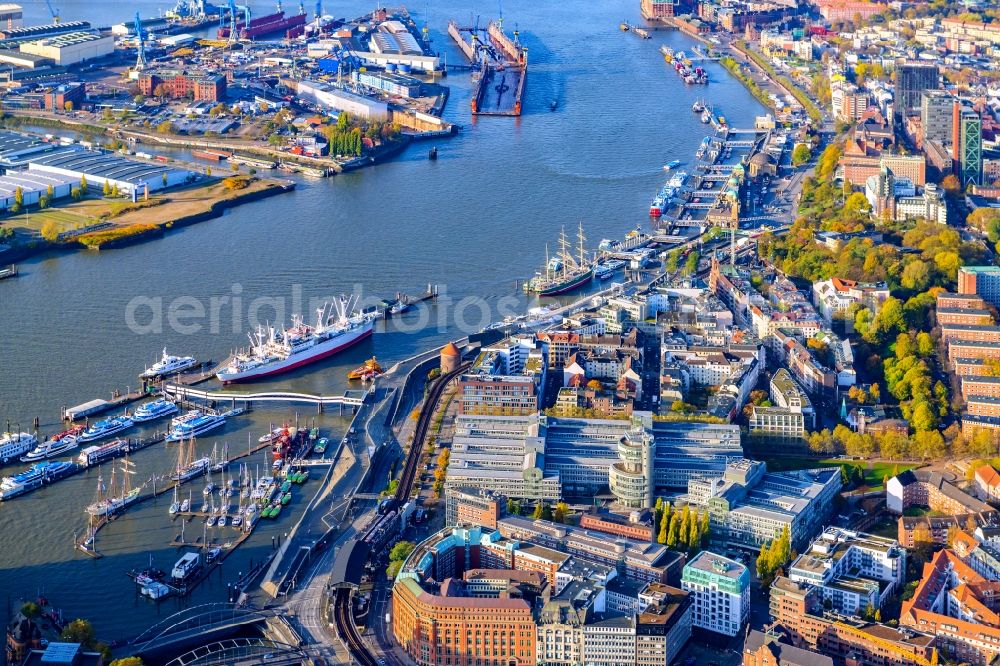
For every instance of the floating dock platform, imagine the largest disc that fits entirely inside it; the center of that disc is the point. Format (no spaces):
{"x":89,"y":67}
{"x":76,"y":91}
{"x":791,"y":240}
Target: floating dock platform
{"x":501,"y":64}
{"x":498,"y":92}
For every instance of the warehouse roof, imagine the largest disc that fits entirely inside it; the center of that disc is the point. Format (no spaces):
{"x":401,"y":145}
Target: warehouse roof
{"x":101,"y":165}
{"x":70,"y":39}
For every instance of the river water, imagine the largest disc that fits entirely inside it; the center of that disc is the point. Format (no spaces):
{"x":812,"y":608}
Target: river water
{"x":77,"y":325}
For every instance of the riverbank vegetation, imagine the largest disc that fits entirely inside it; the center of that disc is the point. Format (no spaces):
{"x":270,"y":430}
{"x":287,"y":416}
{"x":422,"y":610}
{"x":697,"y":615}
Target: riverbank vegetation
{"x":115,"y":235}
{"x":812,"y":110}
{"x":759,"y":93}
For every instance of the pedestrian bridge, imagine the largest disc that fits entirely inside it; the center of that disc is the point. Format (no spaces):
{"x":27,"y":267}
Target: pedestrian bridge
{"x":234,"y":651}
{"x":347,"y":399}
{"x":196,"y":624}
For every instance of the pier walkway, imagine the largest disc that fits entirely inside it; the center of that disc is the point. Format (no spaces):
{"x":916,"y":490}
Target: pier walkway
{"x":352,"y":399}
{"x":235,"y":651}
{"x":193,"y":625}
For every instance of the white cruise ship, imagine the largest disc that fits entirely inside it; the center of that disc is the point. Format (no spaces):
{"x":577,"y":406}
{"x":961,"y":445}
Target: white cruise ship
{"x":272,"y":351}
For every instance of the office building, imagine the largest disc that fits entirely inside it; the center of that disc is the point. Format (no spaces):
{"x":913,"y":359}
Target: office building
{"x":791,"y":413}
{"x":472,"y":506}
{"x":762,"y":649}
{"x":459,"y":600}
{"x":930,"y":489}
{"x":720,"y":592}
{"x":836,"y":295}
{"x":506,"y":379}
{"x":967,"y":144}
{"x":750,"y":506}
{"x":663,"y":625}
{"x":637,"y":560}
{"x":936,"y":112}
{"x":958,"y":606}
{"x":544,"y":457}
{"x":911,"y":80}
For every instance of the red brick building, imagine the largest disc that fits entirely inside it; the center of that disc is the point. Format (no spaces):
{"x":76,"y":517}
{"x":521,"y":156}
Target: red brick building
{"x":57,"y":97}
{"x":961,"y":300}
{"x":181,"y":85}
{"x":610,"y":523}
{"x":964,"y":316}
{"x":798,"y":609}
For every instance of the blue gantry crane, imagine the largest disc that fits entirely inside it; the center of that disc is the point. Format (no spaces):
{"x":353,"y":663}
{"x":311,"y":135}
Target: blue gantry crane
{"x":140,"y":37}
{"x":53,"y":11}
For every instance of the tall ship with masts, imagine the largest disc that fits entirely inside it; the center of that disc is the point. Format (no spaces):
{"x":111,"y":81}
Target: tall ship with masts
{"x":188,"y":466}
{"x":112,"y":499}
{"x":566,"y":273}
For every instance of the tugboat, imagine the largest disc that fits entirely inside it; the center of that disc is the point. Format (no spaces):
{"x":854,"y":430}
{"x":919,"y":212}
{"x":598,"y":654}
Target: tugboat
{"x":370,"y":368}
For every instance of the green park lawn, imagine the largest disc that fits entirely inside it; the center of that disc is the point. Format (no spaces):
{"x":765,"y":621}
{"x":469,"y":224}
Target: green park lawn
{"x":874,"y":472}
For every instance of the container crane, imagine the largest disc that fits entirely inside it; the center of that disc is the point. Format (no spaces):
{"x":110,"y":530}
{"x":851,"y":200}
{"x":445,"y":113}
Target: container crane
{"x":54,"y":12}
{"x":140,"y":59}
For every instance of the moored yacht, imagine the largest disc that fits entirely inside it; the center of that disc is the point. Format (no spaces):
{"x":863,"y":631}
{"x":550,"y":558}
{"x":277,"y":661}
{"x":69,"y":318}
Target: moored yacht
{"x":169,"y":365}
{"x":196,"y":426}
{"x":154,"y":410}
{"x":105,"y":428}
{"x":50,"y":449}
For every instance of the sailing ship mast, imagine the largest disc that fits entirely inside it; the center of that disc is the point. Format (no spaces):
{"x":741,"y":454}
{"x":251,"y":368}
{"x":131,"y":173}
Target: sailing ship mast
{"x":99,"y":495}
{"x":127,"y":471}
{"x":564,"y":254}
{"x":583,"y":252}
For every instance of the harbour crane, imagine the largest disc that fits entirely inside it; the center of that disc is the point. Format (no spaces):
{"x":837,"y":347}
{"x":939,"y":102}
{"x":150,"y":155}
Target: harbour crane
{"x":140,"y":59}
{"x":232,"y":23}
{"x":475,"y":41}
{"x":53,"y":11}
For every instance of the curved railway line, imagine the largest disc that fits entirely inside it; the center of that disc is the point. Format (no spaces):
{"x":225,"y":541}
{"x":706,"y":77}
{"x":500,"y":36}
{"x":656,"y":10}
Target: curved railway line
{"x":343,"y":617}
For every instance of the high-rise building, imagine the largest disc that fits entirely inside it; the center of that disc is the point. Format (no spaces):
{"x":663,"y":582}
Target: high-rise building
{"x":983,"y":281}
{"x":937,"y":109}
{"x":720,"y":591}
{"x":967,"y":144}
{"x":912,"y":78}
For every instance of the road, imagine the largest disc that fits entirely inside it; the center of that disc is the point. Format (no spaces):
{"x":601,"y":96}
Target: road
{"x":306,"y":601}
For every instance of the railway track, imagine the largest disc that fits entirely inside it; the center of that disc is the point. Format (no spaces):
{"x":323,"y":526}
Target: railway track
{"x":346,"y":629}
{"x":343,"y":618}
{"x":420,"y":434}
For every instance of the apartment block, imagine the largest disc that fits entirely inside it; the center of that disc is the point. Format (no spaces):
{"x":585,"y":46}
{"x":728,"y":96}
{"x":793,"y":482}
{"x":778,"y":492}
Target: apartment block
{"x":798,"y":612}
{"x":930,"y":489}
{"x":959,"y":606}
{"x":851,"y":570}
{"x":982,"y":281}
